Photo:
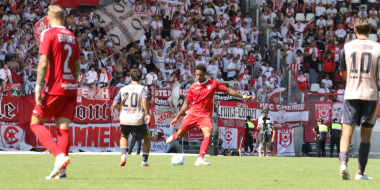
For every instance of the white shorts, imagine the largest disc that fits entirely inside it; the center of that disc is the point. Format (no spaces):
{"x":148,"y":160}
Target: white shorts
{"x":173,"y":99}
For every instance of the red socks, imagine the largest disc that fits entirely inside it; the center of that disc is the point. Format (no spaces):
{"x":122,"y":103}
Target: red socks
{"x":63,"y":140}
{"x":175,"y":134}
{"x":46,"y":138}
{"x":204,"y":146}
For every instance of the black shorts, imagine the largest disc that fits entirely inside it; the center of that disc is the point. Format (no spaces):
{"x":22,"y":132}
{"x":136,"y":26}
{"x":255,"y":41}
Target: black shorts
{"x":359,"y":112}
{"x":103,"y":84}
{"x":140,"y":131}
{"x":1,"y":80}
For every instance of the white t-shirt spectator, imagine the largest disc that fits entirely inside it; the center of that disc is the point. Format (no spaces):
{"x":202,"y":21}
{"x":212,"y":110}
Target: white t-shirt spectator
{"x":91,"y":77}
{"x":323,"y":91}
{"x":340,"y":33}
{"x":262,"y":95}
{"x":231,"y":66}
{"x":5,"y":75}
{"x":319,"y":11}
{"x":104,"y":77}
{"x":150,"y":79}
{"x":213,"y":69}
{"x":328,"y":83}
{"x":332,"y":12}
{"x":340,"y":97}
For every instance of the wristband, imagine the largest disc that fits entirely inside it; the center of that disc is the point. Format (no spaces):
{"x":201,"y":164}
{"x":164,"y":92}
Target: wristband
{"x":38,"y":88}
{"x":244,"y":96}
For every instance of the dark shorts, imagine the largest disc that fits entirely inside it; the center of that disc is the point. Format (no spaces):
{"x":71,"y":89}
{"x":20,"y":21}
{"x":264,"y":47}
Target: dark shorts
{"x":103,"y":84}
{"x":1,"y":80}
{"x":360,"y":112}
{"x":140,"y":131}
{"x":90,"y":85}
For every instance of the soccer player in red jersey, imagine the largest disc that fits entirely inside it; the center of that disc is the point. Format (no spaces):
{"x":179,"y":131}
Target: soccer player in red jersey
{"x":199,"y":114}
{"x":59,"y":66}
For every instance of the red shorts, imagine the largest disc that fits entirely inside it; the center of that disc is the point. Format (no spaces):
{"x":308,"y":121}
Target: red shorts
{"x":191,"y":121}
{"x":56,"y":106}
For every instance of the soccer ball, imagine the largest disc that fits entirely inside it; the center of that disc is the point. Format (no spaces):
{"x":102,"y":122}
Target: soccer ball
{"x":178,"y":160}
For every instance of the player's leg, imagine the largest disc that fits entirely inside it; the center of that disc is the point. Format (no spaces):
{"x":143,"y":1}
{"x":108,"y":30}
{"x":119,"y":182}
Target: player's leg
{"x":133,"y":142}
{"x":62,"y":129}
{"x":207,"y":130}
{"x":350,"y":118}
{"x":188,"y":123}
{"x":146,"y":145}
{"x":138,"y":145}
{"x":369,"y":117}
{"x":260,"y":148}
{"x":125,"y":131}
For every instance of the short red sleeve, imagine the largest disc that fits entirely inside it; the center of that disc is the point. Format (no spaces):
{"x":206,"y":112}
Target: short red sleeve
{"x":113,"y":69}
{"x":220,"y":87}
{"x":46,"y":44}
{"x":242,"y":75}
{"x":108,"y":76}
{"x":189,"y":96}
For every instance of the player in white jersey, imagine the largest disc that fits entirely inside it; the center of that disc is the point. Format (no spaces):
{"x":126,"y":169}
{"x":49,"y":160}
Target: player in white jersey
{"x":134,"y":104}
{"x":359,"y":66}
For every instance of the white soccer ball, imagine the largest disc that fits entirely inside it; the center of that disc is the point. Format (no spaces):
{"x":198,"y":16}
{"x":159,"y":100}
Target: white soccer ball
{"x":178,"y":160}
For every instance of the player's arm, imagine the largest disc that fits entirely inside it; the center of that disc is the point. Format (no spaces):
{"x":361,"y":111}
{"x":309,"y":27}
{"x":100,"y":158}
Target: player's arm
{"x":238,"y":95}
{"x":42,"y":69}
{"x":145,"y":103}
{"x":116,"y":101}
{"x":77,"y":69}
{"x":342,"y":65}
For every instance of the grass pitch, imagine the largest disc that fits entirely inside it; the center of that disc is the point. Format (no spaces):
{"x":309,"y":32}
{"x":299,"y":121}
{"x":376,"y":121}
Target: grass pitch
{"x":103,"y":172}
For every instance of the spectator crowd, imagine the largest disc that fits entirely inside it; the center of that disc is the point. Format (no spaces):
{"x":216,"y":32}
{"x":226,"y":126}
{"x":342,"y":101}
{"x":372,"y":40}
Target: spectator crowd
{"x":181,"y":34}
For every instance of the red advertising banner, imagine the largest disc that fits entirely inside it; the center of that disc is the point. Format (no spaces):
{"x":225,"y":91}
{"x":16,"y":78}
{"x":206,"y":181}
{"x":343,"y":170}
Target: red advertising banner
{"x":9,"y":109}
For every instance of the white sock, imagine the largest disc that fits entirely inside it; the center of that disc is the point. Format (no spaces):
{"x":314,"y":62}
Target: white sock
{"x":63,"y":171}
{"x":199,"y":159}
{"x":60,"y":156}
{"x":124,"y":156}
{"x":144,"y":162}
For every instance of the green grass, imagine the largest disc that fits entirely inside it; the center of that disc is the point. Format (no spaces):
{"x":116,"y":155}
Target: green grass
{"x":102,"y":172}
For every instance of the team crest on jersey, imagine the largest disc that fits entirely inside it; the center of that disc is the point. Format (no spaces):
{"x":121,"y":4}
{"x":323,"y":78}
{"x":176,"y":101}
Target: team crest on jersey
{"x":209,"y":86}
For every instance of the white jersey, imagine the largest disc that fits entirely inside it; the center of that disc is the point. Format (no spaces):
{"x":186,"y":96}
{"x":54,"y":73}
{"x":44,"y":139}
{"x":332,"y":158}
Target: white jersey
{"x":130,"y":97}
{"x":91,"y":77}
{"x":360,"y":58}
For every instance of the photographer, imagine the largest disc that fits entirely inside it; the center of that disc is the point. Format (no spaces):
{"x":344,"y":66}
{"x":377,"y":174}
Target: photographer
{"x":265,"y":134}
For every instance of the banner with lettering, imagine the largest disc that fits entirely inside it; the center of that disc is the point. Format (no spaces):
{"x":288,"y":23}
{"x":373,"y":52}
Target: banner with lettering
{"x":232,"y":116}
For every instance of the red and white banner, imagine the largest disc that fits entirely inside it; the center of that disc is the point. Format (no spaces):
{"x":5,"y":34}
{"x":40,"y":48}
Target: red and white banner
{"x":285,"y":142}
{"x":74,"y":3}
{"x":327,"y":111}
{"x":232,"y":118}
{"x":11,"y":136}
{"x":286,"y":116}
{"x":231,"y":121}
{"x":13,"y":4}
{"x":39,"y":27}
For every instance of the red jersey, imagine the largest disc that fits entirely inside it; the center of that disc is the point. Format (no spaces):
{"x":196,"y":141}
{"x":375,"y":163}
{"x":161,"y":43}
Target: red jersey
{"x":251,"y":60}
{"x":202,"y":96}
{"x":302,"y":81}
{"x":329,"y":65}
{"x":61,"y":46}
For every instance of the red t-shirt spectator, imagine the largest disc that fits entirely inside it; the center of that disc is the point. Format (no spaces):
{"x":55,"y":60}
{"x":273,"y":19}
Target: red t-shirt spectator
{"x":210,"y":30}
{"x":302,"y":81}
{"x":251,"y":60}
{"x":329,"y":65}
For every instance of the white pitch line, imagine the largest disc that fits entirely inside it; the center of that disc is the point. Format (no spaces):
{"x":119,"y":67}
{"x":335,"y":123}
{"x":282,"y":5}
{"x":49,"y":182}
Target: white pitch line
{"x":94,"y":153}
